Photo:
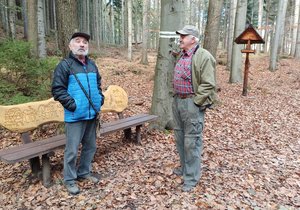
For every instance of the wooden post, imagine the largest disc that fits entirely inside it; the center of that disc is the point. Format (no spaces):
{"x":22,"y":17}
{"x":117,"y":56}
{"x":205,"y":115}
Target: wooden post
{"x":246,"y":72}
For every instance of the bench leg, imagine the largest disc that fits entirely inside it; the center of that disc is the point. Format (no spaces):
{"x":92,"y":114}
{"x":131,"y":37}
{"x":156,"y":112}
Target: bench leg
{"x":35,"y":166}
{"x":46,"y":170}
{"x":138,"y":134}
{"x":127,"y":133}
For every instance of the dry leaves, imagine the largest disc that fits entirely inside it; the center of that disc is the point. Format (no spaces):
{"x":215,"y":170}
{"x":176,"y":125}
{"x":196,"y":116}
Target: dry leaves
{"x":250,"y":158}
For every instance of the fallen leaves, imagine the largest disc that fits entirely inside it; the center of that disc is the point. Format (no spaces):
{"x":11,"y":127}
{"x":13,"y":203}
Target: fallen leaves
{"x":250,"y":157}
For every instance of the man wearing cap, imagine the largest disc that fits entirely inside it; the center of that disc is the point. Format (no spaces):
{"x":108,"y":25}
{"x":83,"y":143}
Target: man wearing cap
{"x":194,"y":85}
{"x":71,"y":76}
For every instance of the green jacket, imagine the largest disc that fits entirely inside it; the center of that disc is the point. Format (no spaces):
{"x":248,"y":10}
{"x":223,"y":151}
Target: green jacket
{"x":204,"y":77}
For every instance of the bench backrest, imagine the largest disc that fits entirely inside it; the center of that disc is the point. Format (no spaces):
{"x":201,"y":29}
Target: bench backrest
{"x":28,"y":116}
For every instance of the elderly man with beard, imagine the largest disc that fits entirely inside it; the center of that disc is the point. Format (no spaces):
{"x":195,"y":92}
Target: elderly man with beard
{"x":194,"y":85}
{"x":77,"y":86}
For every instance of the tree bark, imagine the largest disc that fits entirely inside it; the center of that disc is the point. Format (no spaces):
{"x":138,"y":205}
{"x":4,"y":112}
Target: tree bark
{"x":66,"y":13}
{"x":236,"y":60}
{"x":172,"y":19}
{"x":278,"y":34}
{"x":212,"y":29}
{"x":129,"y":10}
{"x":41,"y":30}
{"x":145,"y":33}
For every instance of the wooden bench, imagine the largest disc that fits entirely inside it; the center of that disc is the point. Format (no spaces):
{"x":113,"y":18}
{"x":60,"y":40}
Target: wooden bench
{"x":23,"y":118}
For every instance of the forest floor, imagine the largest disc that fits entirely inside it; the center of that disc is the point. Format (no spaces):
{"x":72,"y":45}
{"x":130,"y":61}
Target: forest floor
{"x":250,"y":158}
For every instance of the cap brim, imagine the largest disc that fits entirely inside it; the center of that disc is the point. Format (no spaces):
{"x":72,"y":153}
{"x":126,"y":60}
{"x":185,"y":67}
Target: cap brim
{"x":81,"y":34}
{"x":181,"y":32}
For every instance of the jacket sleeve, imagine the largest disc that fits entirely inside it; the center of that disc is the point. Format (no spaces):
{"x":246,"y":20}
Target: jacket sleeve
{"x":60,"y":87}
{"x":206,"y":79}
{"x":99,"y":85}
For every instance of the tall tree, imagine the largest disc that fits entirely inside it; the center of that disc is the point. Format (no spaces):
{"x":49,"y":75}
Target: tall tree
{"x":145,"y":32}
{"x":129,"y":10}
{"x":32,"y":25}
{"x":236,"y":60}
{"x":232,"y":12}
{"x":295,"y":27}
{"x":66,"y":23}
{"x":172,"y":19}
{"x":212,"y":28}
{"x":12,"y":18}
{"x":280,"y":19}
{"x":41,"y":30}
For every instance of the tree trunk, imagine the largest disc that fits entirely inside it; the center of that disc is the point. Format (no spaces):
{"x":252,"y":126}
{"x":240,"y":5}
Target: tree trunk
{"x":212,"y":29}
{"x":295,"y":27}
{"x":297,"y":50}
{"x":232,"y":12}
{"x":129,"y":11}
{"x":172,"y":19}
{"x":278,"y":34}
{"x":66,"y":23}
{"x":32,"y":26}
{"x":236,"y":60}
{"x":12,"y":18}
{"x":145,"y":33}
{"x":260,"y":16}
{"x":41,"y":30}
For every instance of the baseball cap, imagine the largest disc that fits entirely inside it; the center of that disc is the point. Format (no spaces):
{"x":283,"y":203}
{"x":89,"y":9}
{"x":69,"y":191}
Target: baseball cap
{"x":81,"y":34}
{"x":189,"y":30}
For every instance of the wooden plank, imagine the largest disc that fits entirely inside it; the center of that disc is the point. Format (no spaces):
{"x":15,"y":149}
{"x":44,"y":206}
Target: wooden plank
{"x":41,"y":147}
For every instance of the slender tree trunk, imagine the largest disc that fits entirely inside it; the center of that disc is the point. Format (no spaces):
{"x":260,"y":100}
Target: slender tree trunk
{"x":297,"y":49}
{"x":260,"y":16}
{"x":25,"y":19}
{"x":145,"y":33}
{"x":12,"y":18}
{"x":212,"y":29}
{"x":236,"y":62}
{"x":32,"y":26}
{"x":129,"y":10}
{"x":233,"y":5}
{"x":278,"y":32}
{"x":295,"y":27}
{"x":41,"y":30}
{"x":172,"y":19}
{"x":266,"y":35}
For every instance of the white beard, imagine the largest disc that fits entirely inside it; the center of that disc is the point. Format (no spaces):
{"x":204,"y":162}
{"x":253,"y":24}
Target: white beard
{"x":79,"y":51}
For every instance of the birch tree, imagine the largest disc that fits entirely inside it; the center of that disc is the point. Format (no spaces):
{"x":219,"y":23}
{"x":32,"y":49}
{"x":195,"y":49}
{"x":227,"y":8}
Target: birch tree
{"x":236,"y":60}
{"x":278,"y":34}
{"x":172,"y":19}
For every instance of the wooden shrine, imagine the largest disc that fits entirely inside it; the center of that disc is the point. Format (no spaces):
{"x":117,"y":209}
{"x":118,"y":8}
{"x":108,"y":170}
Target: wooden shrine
{"x":248,"y":36}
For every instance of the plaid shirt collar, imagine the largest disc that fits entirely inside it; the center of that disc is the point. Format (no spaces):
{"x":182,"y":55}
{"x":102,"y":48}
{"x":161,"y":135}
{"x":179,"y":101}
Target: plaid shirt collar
{"x":190,"y":51}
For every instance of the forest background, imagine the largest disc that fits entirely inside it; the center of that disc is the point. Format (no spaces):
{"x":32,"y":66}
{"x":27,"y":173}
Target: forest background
{"x":251,"y":143}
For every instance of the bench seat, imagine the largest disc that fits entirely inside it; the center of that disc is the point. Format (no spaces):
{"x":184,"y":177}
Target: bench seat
{"x":45,"y":146}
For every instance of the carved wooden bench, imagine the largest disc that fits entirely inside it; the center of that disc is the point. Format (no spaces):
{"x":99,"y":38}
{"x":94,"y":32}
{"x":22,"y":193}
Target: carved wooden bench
{"x":23,"y":118}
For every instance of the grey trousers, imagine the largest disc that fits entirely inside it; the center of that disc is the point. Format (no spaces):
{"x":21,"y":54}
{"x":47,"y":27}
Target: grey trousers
{"x":189,"y":123}
{"x":82,"y":132}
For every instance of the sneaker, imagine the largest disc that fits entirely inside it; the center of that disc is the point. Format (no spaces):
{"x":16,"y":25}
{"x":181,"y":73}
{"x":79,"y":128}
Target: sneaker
{"x":178,"y":171}
{"x":90,"y":178}
{"x":72,"y":188}
{"x":187,"y":188}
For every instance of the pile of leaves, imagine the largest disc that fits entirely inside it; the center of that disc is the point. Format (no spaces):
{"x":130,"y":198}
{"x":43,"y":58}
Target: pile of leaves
{"x":250,"y":155}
